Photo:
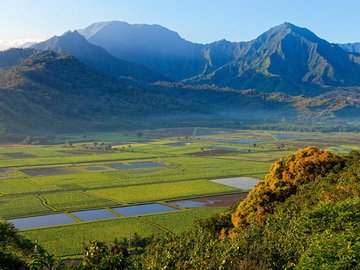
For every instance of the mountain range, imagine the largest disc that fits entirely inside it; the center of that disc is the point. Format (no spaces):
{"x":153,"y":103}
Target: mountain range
{"x":286,"y":58}
{"x":115,"y":75}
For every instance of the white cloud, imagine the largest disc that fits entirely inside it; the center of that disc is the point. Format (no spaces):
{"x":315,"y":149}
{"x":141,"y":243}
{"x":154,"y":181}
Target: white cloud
{"x":15,"y":43}
{"x":11,"y":37}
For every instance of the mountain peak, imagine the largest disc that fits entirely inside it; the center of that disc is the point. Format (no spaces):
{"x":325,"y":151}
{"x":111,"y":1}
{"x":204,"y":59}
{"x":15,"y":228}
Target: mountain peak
{"x":281,"y":31}
{"x":74,"y":43}
{"x":74,"y":33}
{"x":288,"y":25}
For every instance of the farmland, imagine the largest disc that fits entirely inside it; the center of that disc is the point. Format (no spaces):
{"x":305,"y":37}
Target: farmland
{"x":157,"y":167}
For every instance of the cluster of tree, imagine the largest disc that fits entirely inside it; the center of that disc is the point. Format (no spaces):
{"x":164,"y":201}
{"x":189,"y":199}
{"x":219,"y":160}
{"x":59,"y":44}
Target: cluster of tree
{"x":35,"y":140}
{"x":305,"y":215}
{"x":286,"y":177}
{"x":98,"y":146}
{"x":69,"y":144}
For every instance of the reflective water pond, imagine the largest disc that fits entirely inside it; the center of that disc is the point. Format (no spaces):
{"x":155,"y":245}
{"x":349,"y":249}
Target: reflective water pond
{"x":245,"y":183}
{"x":97,"y":168}
{"x":18,"y":155}
{"x":176,"y":144}
{"x":46,"y":171}
{"x":210,"y":201}
{"x":188,"y":203}
{"x":245,"y":141}
{"x":138,"y":165}
{"x":41,"y":221}
{"x":285,"y":136}
{"x":144,"y":209}
{"x":89,"y":215}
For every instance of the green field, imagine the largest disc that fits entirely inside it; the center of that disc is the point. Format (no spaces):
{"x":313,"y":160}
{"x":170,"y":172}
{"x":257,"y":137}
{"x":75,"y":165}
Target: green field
{"x":38,"y":180}
{"x":68,"y":240}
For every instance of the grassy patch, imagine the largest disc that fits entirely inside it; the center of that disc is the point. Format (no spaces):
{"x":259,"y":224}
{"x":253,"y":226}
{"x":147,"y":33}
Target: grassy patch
{"x":67,"y":240}
{"x":161,"y":191}
{"x":180,"y":221}
{"x":24,"y":205}
{"x":74,"y":200}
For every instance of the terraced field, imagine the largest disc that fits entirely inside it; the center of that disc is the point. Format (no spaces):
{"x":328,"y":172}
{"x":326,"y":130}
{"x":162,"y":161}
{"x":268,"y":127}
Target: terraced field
{"x":53,"y":179}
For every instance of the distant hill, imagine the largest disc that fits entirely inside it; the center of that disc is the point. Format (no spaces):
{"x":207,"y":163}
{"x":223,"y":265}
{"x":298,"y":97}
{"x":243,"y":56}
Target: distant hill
{"x":50,"y":92}
{"x":97,"y":57}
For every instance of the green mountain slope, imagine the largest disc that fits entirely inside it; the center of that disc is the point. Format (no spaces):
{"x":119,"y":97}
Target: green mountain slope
{"x":56,"y":92}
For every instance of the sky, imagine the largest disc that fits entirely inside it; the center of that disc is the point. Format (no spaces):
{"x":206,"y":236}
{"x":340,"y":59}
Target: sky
{"x":201,"y":21}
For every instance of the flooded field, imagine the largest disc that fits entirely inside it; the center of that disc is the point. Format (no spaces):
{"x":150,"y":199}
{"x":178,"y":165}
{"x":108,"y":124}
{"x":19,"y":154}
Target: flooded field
{"x":210,"y":201}
{"x":41,"y":221}
{"x":245,"y":141}
{"x":285,"y":136}
{"x":245,"y":183}
{"x":46,"y":171}
{"x":98,"y":168}
{"x":214,"y":152}
{"x":90,"y":215}
{"x":144,"y":209}
{"x":176,"y":144}
{"x":18,"y":155}
{"x":137,"y":165}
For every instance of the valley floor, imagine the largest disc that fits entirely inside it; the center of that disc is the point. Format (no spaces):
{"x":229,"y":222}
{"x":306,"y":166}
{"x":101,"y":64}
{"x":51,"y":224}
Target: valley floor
{"x":153,"y":182}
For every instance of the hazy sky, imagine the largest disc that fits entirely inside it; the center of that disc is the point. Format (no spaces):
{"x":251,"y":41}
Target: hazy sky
{"x":196,"y":20}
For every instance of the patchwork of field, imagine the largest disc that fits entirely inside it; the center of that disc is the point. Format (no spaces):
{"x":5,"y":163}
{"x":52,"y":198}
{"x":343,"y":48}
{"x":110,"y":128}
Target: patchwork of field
{"x":88,"y":184}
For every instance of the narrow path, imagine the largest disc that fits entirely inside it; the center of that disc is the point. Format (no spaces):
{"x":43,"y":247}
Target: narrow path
{"x":45,"y":203}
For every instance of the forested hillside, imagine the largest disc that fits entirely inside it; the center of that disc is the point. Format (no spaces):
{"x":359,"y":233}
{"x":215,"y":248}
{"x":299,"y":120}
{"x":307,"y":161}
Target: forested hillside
{"x":50,"y":92}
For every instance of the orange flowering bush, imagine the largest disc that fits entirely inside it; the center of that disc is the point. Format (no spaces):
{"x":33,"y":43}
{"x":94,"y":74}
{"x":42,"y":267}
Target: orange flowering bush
{"x":285,"y":178}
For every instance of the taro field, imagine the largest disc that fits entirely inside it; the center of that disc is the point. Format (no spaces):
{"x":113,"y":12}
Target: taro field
{"x":112,"y":185}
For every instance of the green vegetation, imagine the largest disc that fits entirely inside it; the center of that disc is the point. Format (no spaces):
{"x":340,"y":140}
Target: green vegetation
{"x":321,"y":182}
{"x":315,"y":228}
{"x":74,"y":200}
{"x":163,"y":191}
{"x":19,"y":206}
{"x":179,"y":222}
{"x":15,"y":250}
{"x":68,"y":240}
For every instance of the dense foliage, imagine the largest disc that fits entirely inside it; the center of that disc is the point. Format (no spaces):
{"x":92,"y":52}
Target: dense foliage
{"x":15,"y":250}
{"x":285,"y":178}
